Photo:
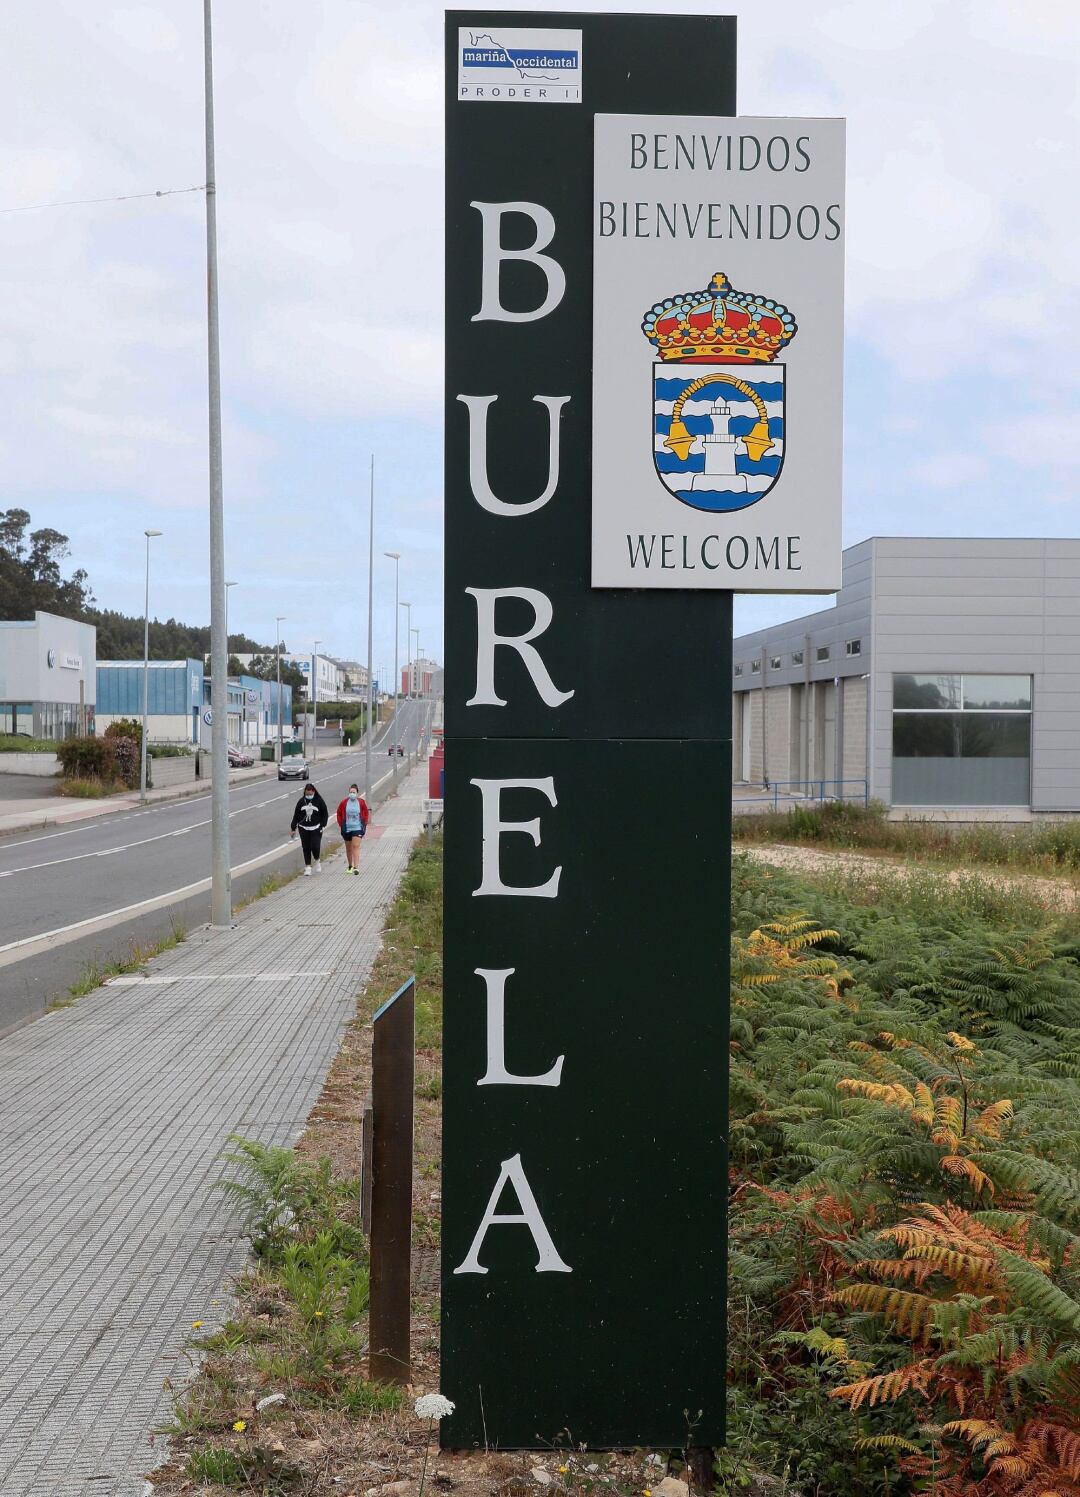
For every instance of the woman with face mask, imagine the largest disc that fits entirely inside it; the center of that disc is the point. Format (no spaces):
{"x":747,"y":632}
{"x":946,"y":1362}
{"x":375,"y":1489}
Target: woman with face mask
{"x":309,"y":817}
{"x":352,"y":818}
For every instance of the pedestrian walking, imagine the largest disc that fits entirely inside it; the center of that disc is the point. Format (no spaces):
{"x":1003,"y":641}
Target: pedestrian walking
{"x":353,"y":817}
{"x":309,"y":816}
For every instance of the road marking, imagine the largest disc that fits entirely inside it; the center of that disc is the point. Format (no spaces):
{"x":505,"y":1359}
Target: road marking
{"x":145,"y":982}
{"x":127,"y":846}
{"x":17,"y":951}
{"x":108,"y":818}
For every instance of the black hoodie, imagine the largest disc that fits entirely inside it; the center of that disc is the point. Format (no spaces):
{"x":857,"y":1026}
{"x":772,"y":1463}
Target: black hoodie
{"x":310,"y":815}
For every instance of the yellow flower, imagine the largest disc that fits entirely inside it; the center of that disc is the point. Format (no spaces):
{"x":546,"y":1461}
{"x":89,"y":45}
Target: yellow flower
{"x":195,"y":1324}
{"x":563,"y":1470}
{"x":318,"y":1315}
{"x":240,"y":1426}
{"x":647,"y":1492}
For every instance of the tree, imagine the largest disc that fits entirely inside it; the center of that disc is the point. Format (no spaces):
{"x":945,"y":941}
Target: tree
{"x":265,"y":668}
{"x":30,"y":575}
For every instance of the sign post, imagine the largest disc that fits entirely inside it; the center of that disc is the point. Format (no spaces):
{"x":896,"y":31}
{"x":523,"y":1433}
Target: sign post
{"x":587,"y":833}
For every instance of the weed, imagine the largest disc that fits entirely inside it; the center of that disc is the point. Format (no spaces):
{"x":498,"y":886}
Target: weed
{"x":217,"y":1464}
{"x":90,"y":789}
{"x":137,"y":956}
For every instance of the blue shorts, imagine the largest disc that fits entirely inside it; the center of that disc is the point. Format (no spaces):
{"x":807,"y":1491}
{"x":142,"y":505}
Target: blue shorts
{"x":348,"y":836}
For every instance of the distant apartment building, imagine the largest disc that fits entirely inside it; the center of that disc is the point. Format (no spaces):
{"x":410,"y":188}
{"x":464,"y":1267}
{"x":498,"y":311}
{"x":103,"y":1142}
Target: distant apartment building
{"x":946,"y":678}
{"x":48,"y":679}
{"x":418,"y":677}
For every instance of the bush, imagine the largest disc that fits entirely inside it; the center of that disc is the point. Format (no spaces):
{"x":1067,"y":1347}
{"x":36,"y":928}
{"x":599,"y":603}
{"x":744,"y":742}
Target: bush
{"x":125,"y":727}
{"x":111,"y":757}
{"x":168,"y":751}
{"x":87,"y":758}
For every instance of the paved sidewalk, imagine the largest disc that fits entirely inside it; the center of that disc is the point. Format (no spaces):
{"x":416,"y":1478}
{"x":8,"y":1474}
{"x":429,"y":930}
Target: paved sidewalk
{"x":113,"y":1115}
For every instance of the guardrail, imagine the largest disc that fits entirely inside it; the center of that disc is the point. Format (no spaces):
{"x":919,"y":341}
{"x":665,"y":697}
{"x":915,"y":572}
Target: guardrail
{"x":803,"y":792}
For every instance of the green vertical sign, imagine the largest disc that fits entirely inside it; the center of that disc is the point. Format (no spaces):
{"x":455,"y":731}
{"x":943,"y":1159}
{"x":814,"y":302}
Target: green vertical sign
{"x":588,"y":774}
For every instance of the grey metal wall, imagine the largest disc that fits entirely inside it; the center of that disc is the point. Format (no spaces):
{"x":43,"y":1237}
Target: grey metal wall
{"x":988,"y":606}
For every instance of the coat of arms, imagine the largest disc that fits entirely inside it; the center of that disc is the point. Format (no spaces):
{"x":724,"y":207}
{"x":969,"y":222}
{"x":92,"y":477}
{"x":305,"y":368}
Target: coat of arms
{"x":718,"y":394}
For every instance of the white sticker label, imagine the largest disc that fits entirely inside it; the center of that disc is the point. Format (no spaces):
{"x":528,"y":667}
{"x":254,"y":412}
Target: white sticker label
{"x":518,"y":65}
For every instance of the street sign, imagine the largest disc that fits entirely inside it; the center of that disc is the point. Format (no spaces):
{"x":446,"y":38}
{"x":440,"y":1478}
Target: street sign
{"x":718,"y":312}
{"x":586,"y":919}
{"x":208,"y":717}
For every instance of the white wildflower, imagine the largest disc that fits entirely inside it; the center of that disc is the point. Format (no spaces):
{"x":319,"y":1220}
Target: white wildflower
{"x":269,"y":1401}
{"x":433,"y":1406}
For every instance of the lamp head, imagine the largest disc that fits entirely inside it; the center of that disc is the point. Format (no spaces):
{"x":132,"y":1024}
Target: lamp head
{"x":149,"y":533}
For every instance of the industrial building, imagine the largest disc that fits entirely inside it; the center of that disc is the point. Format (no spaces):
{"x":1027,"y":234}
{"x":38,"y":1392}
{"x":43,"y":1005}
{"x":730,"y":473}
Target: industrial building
{"x":944,"y":681}
{"x":47,"y":676}
{"x":178,"y":702}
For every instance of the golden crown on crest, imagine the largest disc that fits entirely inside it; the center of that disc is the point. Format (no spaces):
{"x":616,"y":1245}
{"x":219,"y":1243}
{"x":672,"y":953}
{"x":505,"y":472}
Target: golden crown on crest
{"x":719,"y":323}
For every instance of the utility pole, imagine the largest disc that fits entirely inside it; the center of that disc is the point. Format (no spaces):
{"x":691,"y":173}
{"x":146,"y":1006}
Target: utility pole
{"x":370,"y":585}
{"x":395,"y":557}
{"x":145,"y":668}
{"x":221,"y":877}
{"x":315,"y":700}
{"x":281,"y":617}
{"x":414,"y":681}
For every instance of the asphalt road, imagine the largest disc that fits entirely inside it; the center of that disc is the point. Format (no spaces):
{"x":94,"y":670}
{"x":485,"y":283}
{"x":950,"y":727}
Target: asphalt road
{"x":83,"y":894}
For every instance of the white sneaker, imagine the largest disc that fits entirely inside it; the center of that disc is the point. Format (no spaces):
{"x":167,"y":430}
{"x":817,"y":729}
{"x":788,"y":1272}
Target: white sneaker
{"x":307,"y":872}
{"x":318,"y":867}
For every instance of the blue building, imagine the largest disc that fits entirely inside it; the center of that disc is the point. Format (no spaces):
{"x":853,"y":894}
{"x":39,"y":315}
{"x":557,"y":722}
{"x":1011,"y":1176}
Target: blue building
{"x":174,"y":697}
{"x":253,"y":710}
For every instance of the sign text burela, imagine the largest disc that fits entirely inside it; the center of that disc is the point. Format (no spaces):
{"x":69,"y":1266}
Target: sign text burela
{"x":718,"y":322}
{"x":494,"y":827}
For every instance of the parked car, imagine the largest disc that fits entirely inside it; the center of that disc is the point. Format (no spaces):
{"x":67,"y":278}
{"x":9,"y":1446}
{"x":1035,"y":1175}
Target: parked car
{"x":294,"y":767}
{"x":400,"y":751}
{"x":238,"y":759}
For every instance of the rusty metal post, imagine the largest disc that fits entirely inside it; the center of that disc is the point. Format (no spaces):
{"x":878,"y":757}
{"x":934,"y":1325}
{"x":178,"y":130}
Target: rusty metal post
{"x":365,"y":1169}
{"x":392,"y":1091}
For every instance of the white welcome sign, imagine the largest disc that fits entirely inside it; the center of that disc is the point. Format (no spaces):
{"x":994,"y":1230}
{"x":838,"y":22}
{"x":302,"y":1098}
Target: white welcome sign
{"x":718,"y":323}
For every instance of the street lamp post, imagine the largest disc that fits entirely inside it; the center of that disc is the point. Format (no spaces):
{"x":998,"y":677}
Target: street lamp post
{"x":280,"y":715}
{"x":395,"y":557}
{"x":145,"y":667}
{"x":408,"y":649}
{"x":315,"y":699}
{"x":370,"y":618}
{"x":220,"y":883}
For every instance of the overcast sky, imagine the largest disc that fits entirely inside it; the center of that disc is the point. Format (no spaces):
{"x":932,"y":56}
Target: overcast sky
{"x":962,"y":230}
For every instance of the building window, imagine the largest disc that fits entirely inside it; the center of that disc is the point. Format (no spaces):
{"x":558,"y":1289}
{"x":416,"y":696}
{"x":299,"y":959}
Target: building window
{"x":796,"y":657}
{"x":961,"y":740}
{"x":853,"y":647}
{"x":775,"y":662}
{"x":755,"y":667}
{"x":738,"y":670}
{"x":823,"y":652}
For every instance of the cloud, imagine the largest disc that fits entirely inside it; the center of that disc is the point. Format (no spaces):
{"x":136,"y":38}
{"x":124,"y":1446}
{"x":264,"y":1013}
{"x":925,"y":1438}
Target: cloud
{"x":962,"y":272}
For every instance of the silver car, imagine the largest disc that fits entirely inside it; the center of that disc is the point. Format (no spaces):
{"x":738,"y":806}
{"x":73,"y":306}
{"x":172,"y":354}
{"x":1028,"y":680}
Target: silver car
{"x":294,"y":767}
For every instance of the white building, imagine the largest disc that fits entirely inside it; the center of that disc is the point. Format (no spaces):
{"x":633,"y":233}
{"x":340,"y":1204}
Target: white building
{"x":330,"y":672}
{"x":48,"y":676}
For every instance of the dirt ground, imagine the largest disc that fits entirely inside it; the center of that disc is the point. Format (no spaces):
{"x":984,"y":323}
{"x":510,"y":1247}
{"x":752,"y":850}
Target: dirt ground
{"x":1054,"y":894}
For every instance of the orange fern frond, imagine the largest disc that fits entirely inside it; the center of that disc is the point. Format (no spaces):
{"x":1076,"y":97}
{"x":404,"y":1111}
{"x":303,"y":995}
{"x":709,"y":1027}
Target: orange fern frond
{"x":956,"y":1164}
{"x":961,"y":1044}
{"x":875,"y":1091}
{"x":990,"y":1120}
{"x":887,"y":1387}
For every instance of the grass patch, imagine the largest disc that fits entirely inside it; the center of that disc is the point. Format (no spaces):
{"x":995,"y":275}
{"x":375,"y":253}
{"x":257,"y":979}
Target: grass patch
{"x":11,"y":743}
{"x":270,"y":884}
{"x":1046,"y":847}
{"x":137,"y":955}
{"x":90,"y":789}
